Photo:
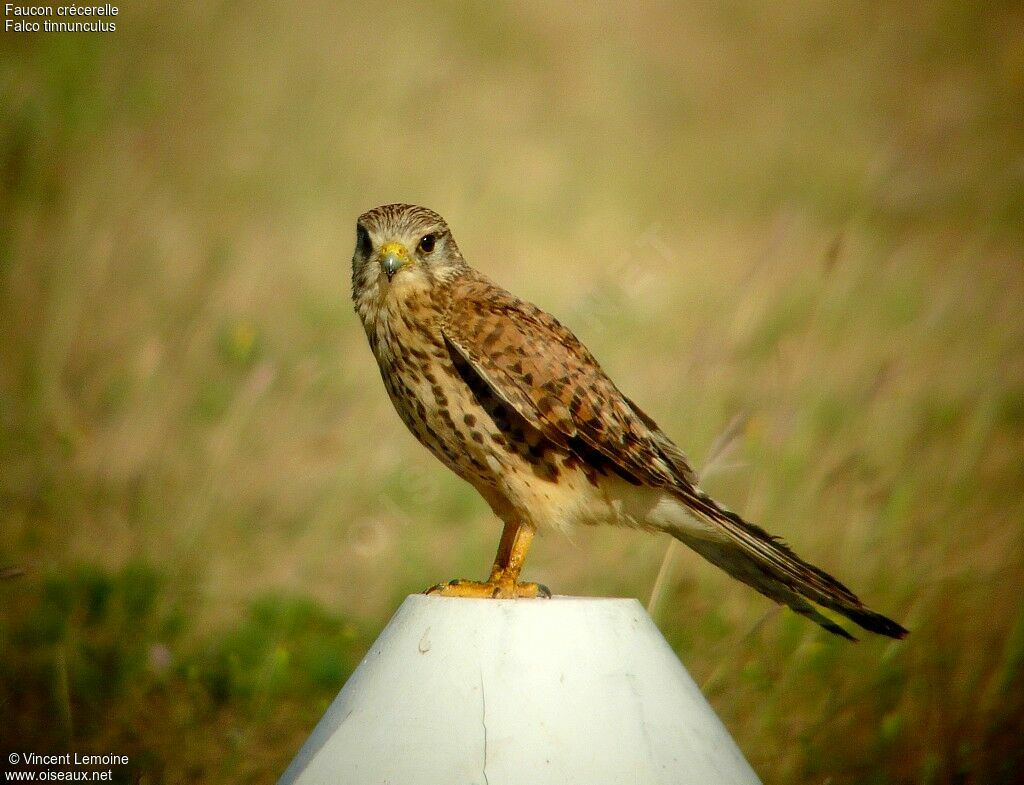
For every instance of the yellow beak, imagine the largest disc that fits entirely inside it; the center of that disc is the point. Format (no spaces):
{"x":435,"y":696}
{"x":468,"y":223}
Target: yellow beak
{"x":393,"y":257}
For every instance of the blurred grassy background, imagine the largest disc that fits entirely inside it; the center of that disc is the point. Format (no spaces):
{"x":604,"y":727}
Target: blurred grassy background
{"x":809,"y":215}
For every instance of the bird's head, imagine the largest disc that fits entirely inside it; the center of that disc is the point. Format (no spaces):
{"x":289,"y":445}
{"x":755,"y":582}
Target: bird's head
{"x":402,"y":247}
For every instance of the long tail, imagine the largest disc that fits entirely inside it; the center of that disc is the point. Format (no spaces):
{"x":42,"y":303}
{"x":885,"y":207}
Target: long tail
{"x":752,"y":555}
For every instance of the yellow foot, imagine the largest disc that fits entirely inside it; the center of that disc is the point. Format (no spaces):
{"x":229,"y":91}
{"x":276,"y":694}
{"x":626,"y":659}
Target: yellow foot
{"x":493,"y":590}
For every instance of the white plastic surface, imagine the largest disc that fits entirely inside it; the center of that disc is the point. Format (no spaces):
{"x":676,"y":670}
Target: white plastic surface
{"x":566,"y":691}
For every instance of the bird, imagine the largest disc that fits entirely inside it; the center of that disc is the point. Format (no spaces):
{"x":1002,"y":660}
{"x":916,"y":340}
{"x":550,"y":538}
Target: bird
{"x":512,"y":402}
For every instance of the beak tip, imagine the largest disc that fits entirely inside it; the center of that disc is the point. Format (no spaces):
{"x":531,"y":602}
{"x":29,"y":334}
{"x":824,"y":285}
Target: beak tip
{"x":389,"y":264}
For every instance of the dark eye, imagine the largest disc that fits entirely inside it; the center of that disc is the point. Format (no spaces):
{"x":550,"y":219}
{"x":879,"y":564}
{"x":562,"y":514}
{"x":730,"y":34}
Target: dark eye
{"x":364,"y":245}
{"x":427,"y":243}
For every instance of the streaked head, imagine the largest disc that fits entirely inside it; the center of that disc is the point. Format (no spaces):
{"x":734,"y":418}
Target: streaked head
{"x":398,"y":243}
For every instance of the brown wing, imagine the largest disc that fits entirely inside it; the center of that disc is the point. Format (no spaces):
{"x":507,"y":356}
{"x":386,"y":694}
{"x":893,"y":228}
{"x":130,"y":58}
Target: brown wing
{"x":540,"y":369}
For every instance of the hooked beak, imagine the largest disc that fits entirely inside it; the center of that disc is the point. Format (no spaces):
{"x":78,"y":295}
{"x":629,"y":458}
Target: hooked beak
{"x":392,"y":258}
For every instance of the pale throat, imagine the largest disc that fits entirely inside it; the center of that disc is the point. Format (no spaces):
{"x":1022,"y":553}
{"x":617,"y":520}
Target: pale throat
{"x":404,"y":301}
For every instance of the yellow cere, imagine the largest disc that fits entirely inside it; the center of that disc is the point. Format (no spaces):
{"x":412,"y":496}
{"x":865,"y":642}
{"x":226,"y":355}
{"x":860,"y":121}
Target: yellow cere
{"x":397,"y":249}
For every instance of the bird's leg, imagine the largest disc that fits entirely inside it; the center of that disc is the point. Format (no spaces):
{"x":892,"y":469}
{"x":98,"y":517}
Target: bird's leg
{"x":508,"y":562}
{"x":504,"y":581}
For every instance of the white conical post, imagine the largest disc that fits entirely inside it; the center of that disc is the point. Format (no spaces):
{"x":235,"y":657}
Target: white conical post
{"x":519,"y":692}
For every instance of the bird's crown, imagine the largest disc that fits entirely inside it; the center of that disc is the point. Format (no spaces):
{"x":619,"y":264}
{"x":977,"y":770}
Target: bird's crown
{"x":401,"y":218}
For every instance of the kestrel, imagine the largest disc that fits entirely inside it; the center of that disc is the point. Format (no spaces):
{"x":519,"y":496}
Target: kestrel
{"x":513,"y":403}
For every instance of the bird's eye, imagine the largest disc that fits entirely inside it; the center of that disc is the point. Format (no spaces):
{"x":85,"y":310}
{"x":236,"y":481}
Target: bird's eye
{"x":427,"y":243}
{"x":364,"y":245}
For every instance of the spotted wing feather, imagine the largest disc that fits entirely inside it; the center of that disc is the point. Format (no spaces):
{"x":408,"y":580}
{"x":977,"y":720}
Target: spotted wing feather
{"x":539,"y":368}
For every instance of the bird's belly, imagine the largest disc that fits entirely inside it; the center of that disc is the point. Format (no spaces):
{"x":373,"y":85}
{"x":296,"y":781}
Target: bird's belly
{"x":567,"y":497}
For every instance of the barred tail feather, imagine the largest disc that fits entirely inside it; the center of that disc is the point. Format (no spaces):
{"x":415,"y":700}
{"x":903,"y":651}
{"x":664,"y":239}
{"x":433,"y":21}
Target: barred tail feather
{"x":752,"y":555}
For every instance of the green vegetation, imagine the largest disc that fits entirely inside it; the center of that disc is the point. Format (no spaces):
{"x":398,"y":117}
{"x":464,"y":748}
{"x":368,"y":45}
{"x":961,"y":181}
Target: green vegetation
{"x":96,"y":658}
{"x":808,"y":215}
